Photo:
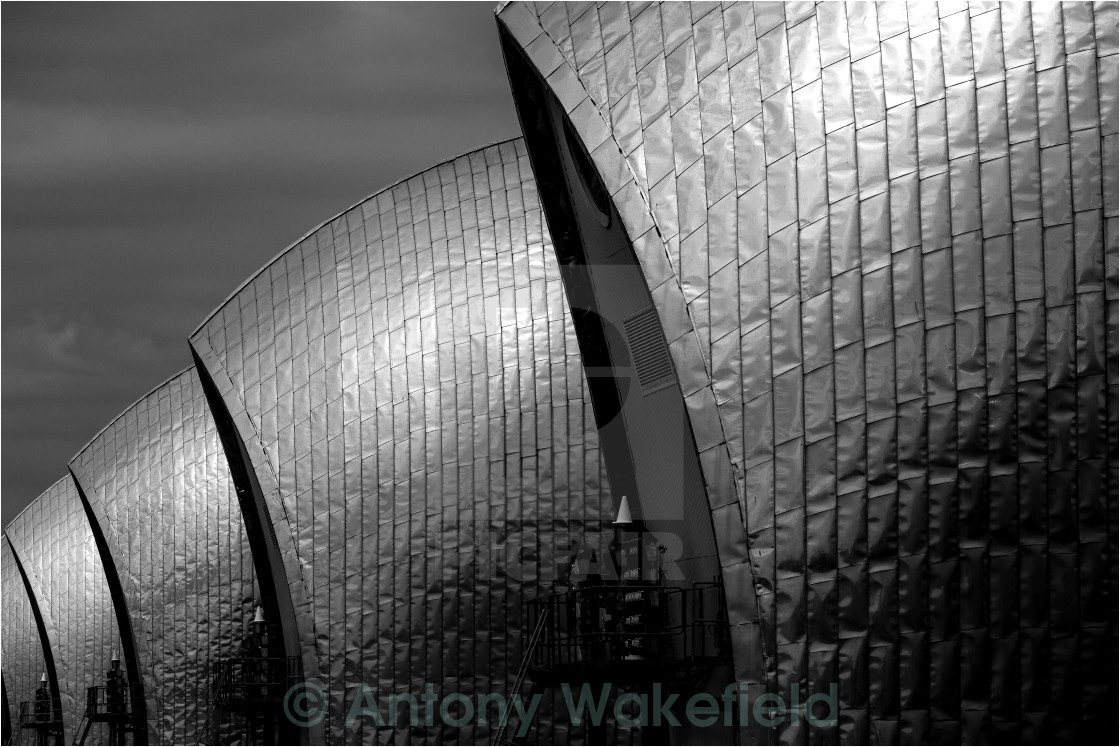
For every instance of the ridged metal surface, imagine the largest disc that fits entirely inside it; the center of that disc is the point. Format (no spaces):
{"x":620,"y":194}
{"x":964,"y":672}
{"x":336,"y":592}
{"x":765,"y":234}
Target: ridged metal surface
{"x":158,"y":482}
{"x":408,"y":384}
{"x":56,"y":547}
{"x":22,"y":647}
{"x":885,"y":255}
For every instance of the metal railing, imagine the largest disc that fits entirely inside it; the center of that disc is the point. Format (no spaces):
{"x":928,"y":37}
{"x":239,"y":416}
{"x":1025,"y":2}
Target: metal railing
{"x":40,"y":714}
{"x":603,"y":625}
{"x":108,"y":702}
{"x":252,"y":683}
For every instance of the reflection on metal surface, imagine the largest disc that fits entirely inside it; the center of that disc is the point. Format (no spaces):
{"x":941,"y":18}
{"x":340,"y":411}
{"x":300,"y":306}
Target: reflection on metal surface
{"x":263,"y":535}
{"x":408,"y":388}
{"x":880,"y":244}
{"x":157,"y":481}
{"x":882,"y":241}
{"x":26,"y":681}
{"x":56,"y":548}
{"x":136,"y":722}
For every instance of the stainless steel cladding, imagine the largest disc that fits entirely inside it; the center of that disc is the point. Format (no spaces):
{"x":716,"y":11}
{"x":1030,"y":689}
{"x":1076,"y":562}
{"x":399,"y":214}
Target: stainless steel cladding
{"x":24,"y":663}
{"x":407,"y":387}
{"x":53,"y":542}
{"x":882,"y":241}
{"x":157,"y":481}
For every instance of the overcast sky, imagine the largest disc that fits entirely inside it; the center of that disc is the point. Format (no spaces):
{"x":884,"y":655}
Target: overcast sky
{"x":155,"y":156}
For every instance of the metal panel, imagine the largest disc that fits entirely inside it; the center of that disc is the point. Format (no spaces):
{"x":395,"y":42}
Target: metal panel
{"x":158,"y":482}
{"x":53,"y":540}
{"x":970,"y":331}
{"x":24,"y":662}
{"x":411,"y":385}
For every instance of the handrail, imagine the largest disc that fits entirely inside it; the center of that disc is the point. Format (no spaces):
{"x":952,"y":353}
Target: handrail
{"x":111,"y":700}
{"x":593,"y":625}
{"x":251,"y":680}
{"x":534,"y":639}
{"x":32,"y":714}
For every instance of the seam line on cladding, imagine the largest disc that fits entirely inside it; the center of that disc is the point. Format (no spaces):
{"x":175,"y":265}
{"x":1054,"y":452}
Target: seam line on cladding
{"x":330,"y":220}
{"x":675,"y":276}
{"x":770,"y":666}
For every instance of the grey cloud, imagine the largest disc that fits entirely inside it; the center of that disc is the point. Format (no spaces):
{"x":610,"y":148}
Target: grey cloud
{"x":157,"y":155}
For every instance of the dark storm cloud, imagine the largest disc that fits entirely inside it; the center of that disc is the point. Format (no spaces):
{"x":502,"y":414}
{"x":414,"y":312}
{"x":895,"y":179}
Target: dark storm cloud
{"x":154,"y":156}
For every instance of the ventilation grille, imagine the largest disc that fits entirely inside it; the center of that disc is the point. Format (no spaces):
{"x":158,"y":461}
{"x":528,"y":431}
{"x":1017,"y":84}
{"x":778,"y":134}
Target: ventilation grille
{"x":648,"y":350}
